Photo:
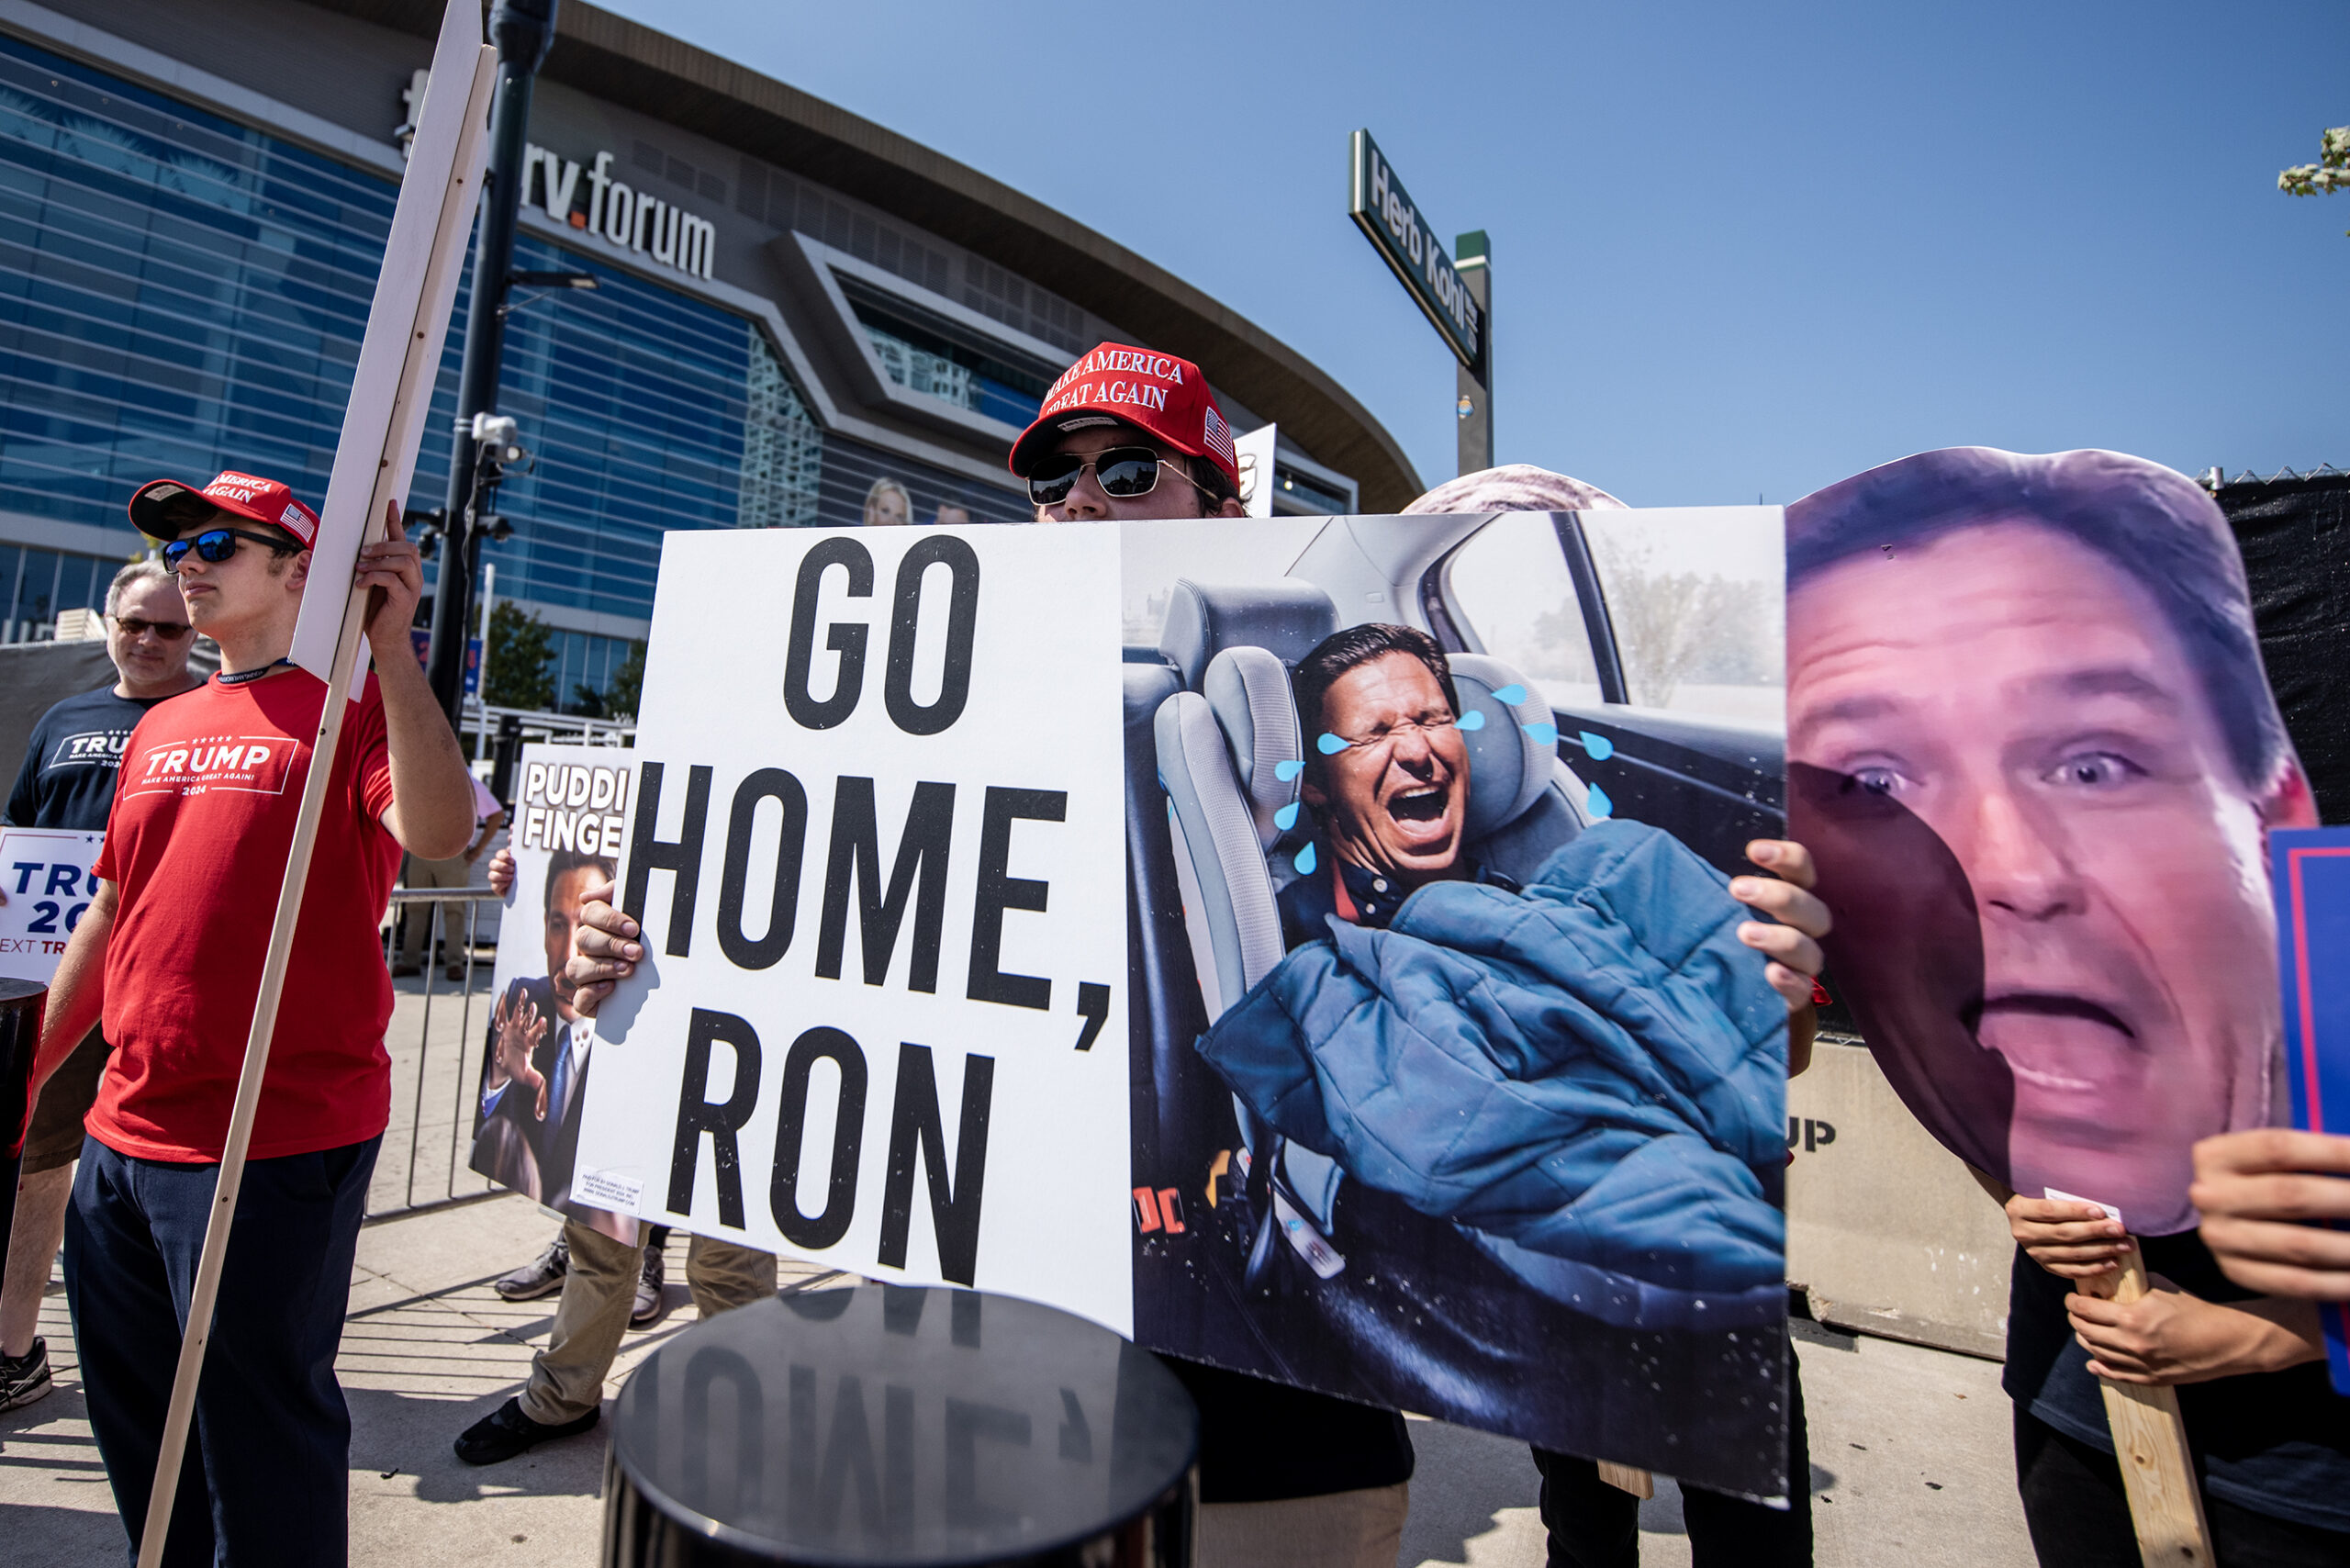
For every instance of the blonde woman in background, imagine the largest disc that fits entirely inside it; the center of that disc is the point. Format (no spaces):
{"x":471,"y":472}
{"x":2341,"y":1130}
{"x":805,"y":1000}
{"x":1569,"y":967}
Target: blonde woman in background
{"x":887,"y":505}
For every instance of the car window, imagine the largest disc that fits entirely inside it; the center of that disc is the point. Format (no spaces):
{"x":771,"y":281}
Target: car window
{"x":1208,"y":550}
{"x":1509,"y":585}
{"x":1698,"y":601}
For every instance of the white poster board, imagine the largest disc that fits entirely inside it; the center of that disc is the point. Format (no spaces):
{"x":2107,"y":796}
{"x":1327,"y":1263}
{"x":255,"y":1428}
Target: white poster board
{"x":870,"y":868}
{"x":934,"y":875}
{"x":392,"y":386}
{"x":45,"y":872}
{"x":1254,"y":453}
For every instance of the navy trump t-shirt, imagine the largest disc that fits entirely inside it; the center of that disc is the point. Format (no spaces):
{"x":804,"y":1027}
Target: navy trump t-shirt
{"x":2277,"y":1443}
{"x":67,"y":780}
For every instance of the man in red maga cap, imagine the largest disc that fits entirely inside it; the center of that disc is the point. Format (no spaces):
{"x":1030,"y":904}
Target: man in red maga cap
{"x":1126,"y":433}
{"x":1286,"y":1475}
{"x":169,"y":952}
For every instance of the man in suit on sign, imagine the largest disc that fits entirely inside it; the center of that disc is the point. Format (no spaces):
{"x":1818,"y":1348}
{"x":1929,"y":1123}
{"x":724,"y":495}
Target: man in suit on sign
{"x":538,"y":1050}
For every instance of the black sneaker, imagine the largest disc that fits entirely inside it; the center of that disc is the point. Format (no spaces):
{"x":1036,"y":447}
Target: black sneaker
{"x":25,"y":1378}
{"x":648,"y":1290}
{"x":539,"y":1276}
{"x":506,"y":1431}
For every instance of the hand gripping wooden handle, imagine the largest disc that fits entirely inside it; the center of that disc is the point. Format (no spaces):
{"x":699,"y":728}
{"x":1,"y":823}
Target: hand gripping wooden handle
{"x":2150,"y":1440}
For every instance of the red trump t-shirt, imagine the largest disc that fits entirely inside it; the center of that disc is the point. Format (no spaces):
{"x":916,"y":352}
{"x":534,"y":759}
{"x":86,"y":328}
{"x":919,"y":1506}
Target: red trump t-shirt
{"x":202,"y":821}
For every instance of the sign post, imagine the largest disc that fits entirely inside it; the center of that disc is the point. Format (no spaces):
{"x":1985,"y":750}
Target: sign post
{"x":1256,"y":452}
{"x":1472,"y":259}
{"x":1455,"y":294}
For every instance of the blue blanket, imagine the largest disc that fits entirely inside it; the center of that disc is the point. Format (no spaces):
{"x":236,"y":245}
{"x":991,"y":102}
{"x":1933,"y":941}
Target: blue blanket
{"x":1589,"y":1077}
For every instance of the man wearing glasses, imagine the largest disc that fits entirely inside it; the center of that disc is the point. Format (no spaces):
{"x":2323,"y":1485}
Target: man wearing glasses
{"x":67,"y":781}
{"x":1128,"y":435}
{"x":170,"y":952}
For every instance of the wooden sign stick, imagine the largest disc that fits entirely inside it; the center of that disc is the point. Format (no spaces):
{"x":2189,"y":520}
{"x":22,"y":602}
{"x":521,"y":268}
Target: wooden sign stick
{"x":406,"y":328}
{"x":2150,"y":1440}
{"x":1626,"y":1478}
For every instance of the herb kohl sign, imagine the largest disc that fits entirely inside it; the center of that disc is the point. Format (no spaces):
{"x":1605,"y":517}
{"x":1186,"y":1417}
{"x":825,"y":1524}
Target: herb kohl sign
{"x":1402,"y":235}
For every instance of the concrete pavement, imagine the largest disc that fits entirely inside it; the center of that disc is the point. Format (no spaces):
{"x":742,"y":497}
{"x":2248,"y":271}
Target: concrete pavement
{"x":1909,"y":1446}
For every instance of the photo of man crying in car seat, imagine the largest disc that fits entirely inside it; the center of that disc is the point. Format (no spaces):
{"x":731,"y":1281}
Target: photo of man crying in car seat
{"x":1492,"y":1125}
{"x":1584,"y":1072}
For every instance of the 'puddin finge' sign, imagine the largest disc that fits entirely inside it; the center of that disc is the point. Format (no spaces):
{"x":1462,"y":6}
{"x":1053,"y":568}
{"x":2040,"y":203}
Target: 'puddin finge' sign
{"x":876,"y":1022}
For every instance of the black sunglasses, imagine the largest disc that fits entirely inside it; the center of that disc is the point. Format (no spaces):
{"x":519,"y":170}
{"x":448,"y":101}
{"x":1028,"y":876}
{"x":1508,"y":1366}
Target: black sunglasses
{"x":1123,"y":471}
{"x":170,"y":630}
{"x":216,"y":544}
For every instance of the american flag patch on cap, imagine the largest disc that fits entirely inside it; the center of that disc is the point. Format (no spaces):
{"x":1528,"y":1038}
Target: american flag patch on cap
{"x":1217,"y":437}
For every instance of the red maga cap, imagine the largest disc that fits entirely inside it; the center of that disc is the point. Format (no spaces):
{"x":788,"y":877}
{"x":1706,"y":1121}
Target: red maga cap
{"x":1164,"y":396}
{"x":165,"y":509}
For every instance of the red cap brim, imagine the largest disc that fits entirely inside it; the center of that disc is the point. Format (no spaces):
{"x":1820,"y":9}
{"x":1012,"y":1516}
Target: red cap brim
{"x":152,"y":502}
{"x":1037,"y":440}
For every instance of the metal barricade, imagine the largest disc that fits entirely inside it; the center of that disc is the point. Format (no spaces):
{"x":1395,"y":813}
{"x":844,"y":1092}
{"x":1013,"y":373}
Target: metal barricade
{"x":436,"y":1071}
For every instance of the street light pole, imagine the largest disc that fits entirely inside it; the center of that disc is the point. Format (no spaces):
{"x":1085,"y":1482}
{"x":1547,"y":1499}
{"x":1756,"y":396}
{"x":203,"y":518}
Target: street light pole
{"x":523,"y":31}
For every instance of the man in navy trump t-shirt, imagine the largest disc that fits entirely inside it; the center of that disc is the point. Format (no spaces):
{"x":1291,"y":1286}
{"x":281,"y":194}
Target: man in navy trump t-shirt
{"x":67,"y":781}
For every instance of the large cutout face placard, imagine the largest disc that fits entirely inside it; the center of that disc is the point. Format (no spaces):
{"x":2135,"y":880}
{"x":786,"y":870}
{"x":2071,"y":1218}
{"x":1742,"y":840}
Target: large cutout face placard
{"x":2031,"y":744}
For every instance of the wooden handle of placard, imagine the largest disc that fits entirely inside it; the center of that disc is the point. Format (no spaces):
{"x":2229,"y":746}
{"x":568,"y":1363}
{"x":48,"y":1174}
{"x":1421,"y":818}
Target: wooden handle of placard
{"x":206,"y":1289}
{"x":2150,"y":1440}
{"x":1625,"y":1478}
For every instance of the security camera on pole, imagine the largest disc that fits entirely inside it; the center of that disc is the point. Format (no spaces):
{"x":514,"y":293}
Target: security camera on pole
{"x":1455,"y":291}
{"x":524,"y":31}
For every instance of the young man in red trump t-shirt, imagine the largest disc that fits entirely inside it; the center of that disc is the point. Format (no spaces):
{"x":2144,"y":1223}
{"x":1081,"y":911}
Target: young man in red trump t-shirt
{"x":169,"y":952}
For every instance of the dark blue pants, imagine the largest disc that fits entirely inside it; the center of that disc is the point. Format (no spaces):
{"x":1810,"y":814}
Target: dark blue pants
{"x":266,"y":1479}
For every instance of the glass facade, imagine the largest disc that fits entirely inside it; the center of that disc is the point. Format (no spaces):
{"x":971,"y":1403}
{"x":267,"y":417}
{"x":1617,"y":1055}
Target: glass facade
{"x":583,"y":670}
{"x":38,"y":585}
{"x":172,"y":287}
{"x":174,"y":291}
{"x":633,"y":400}
{"x":180,"y":294}
{"x":922,"y":360}
{"x":1308,"y":494}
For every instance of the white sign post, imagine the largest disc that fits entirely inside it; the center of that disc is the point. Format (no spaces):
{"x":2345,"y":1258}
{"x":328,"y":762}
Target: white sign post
{"x":1253,"y":453}
{"x":881,"y":1022}
{"x":373,"y":466}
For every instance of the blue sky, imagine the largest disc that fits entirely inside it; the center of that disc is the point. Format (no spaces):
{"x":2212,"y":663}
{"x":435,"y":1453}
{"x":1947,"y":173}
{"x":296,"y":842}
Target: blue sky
{"x":1741,"y":249}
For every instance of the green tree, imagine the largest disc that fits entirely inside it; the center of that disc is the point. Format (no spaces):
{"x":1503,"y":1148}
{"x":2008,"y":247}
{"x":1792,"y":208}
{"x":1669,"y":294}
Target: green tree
{"x":2331,"y":172}
{"x":521,"y":660}
{"x":628,"y":684}
{"x":618,"y":699}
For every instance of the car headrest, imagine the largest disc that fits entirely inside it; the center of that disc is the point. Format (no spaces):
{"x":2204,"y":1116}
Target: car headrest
{"x":1248,"y":691}
{"x":1513,"y":746}
{"x":1284,"y":617}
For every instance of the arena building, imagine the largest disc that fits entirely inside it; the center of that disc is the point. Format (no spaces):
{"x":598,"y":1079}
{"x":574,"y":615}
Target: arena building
{"x":800,"y":317}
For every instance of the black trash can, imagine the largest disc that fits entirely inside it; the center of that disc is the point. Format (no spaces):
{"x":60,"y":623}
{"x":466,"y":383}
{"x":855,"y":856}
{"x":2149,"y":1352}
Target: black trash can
{"x":22,"y":1003}
{"x":893,"y":1426}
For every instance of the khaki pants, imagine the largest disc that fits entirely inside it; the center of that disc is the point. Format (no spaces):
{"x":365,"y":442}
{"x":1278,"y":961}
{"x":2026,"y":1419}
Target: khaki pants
{"x":453,"y":872}
{"x":1341,"y":1529}
{"x":568,"y":1377}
